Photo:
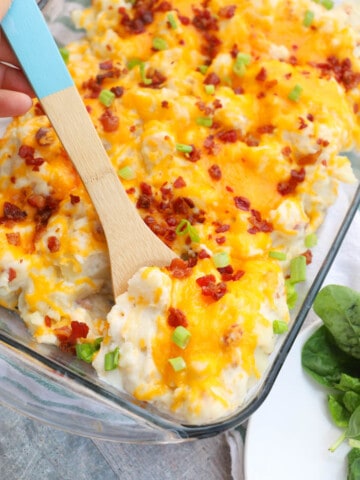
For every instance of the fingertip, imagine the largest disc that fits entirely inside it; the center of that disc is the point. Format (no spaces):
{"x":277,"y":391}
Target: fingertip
{"x":13,"y":104}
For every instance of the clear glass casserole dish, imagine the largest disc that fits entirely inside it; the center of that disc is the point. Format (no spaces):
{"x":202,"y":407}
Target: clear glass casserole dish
{"x":54,"y":387}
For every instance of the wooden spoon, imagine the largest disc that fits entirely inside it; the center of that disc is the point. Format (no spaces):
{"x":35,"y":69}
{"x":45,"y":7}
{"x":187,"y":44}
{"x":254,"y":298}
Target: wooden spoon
{"x":130,"y":242}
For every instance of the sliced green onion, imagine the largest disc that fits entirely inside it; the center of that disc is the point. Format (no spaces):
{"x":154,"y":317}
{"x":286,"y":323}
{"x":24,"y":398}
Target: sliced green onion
{"x":85,"y":351}
{"x":203,"y":69}
{"x":210,"y":89}
{"x":177,"y":363}
{"x":159,"y":43}
{"x":277,"y":255}
{"x":181,"y":336}
{"x":241,"y":62}
{"x":328,"y":4}
{"x":221,"y":259}
{"x":127,"y":173}
{"x":171,"y":20}
{"x":295,"y":93}
{"x":204,"y":121}
{"x":185,"y":228}
{"x":298,"y":269}
{"x":291,"y":294}
{"x":64,"y":52}
{"x":106,"y":97}
{"x":279,"y":327}
{"x":133,"y":62}
{"x":144,"y":79}
{"x":311,"y":240}
{"x":181,"y":147}
{"x":308,"y":18}
{"x":111,"y":360}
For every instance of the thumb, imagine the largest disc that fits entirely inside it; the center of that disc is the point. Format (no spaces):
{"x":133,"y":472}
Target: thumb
{"x":4,"y":7}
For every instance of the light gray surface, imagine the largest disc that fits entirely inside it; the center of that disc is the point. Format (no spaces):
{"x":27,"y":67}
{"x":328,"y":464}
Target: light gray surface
{"x":30,"y":450}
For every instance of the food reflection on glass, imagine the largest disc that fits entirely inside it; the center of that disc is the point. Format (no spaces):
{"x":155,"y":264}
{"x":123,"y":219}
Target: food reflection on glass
{"x":225,"y":122}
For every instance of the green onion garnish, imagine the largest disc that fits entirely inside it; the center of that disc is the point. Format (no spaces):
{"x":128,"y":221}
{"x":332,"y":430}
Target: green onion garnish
{"x":185,"y":228}
{"x":279,"y":327}
{"x":328,"y":4}
{"x":298,"y":269}
{"x":210,"y":89}
{"x":204,"y":121}
{"x":295,"y":93}
{"x":181,"y":336}
{"x":277,"y":255}
{"x":127,"y":173}
{"x":310,"y":240}
{"x":133,"y":62}
{"x":181,"y":147}
{"x":106,"y":97}
{"x":111,"y":360}
{"x":241,"y":62}
{"x":177,"y":363}
{"x":159,"y":44}
{"x":85,"y":351}
{"x":171,"y":20}
{"x":203,"y":69}
{"x":144,"y":79}
{"x":221,"y":259}
{"x":291,"y":294}
{"x":64,"y":52}
{"x":308,"y":18}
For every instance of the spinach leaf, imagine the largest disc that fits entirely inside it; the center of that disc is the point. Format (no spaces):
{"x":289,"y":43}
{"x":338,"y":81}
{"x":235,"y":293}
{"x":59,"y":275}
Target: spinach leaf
{"x":352,"y":430}
{"x":339,"y":308}
{"x":351,"y":401}
{"x":323,"y":360}
{"x":353,"y":461}
{"x":347,"y":382}
{"x":338,"y":411}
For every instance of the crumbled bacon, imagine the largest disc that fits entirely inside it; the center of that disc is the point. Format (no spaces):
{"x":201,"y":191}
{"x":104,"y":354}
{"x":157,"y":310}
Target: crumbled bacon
{"x":215,"y":172}
{"x":11,"y":274}
{"x":227,"y":11}
{"x":157,"y":79}
{"x":53,"y":244}
{"x":228,"y":136}
{"x":44,"y":136}
{"x":209,"y":287}
{"x":109,"y":121}
{"x":37,"y":200}
{"x":118,"y":91}
{"x":204,"y":21}
{"x":13,"y":238}
{"x":179,"y":182}
{"x":258,"y":224}
{"x":233,"y":335}
{"x":262,"y":75}
{"x":308,"y":256}
{"x":13,"y":212}
{"x":242,"y":203}
{"x":265,"y":129}
{"x":341,"y":70}
{"x":47,"y":321}
{"x":67,"y":335}
{"x":179,"y":268}
{"x":288,"y":186}
{"x":74,"y":199}
{"x":222,"y":228}
{"x":176,"y":318}
{"x":212,"y":79}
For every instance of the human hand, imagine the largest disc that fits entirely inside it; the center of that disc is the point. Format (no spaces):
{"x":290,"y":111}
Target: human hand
{"x":15,"y":91}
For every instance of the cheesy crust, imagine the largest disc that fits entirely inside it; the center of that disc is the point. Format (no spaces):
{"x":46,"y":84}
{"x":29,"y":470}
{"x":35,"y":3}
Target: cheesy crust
{"x":226,"y":122}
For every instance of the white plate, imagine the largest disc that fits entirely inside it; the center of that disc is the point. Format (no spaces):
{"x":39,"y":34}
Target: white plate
{"x":289,"y":436}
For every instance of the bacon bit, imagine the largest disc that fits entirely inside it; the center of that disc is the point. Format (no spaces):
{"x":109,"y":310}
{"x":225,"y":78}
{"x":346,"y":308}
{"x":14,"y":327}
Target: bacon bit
{"x":109,"y":121}
{"x":117,"y":91}
{"x":227,"y":11}
{"x":286,"y":151}
{"x":11,"y":274}
{"x":47,"y":321}
{"x":209,"y":287}
{"x":179,"y":268}
{"x":242,"y":203}
{"x":292,"y":60}
{"x":179,"y":183}
{"x":258,"y":224}
{"x":228,"y":274}
{"x":212,"y":79}
{"x":310,"y":117}
{"x":156,"y":77}
{"x":228,"y":136}
{"x":53,"y":244}
{"x":176,"y":318}
{"x":43,"y":215}
{"x":251,"y":140}
{"x":209,"y":144}
{"x":184,"y":20}
{"x":215,"y":172}
{"x":302,"y":123}
{"x":204,"y":21}
{"x":144,"y":202}
{"x":142,"y":16}
{"x":232,"y":336}
{"x":229,"y":189}
{"x":194,"y":155}
{"x":165,"y":104}
{"x":67,"y":335}
{"x":203,"y":254}
{"x":211,"y":46}
{"x":308,"y":255}
{"x":36,"y":200}
{"x":13,"y":238}
{"x":12,"y":212}
{"x":106,"y":65}
{"x":262,"y":75}
{"x":322,"y":142}
{"x":222,"y":228}
{"x":45,"y":137}
{"x":220,"y":240}
{"x":342,"y":71}
{"x":38,"y":110}
{"x":265,"y":129}
{"x":155,"y":226}
{"x":74,"y":199}
{"x":25,"y":151}
{"x":288,"y":186}
{"x":308,"y":159}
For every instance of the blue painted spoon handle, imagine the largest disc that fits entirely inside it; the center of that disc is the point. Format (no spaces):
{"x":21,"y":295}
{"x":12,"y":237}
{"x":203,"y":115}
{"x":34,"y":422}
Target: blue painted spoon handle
{"x":37,"y":53}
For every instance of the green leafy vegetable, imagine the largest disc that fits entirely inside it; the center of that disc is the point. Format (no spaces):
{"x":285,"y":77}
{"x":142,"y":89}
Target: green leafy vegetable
{"x":338,"y":411}
{"x":353,"y":459}
{"x":339,"y":309}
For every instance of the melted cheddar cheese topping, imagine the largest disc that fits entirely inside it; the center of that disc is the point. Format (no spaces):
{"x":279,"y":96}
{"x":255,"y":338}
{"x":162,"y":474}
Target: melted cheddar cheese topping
{"x":226,"y":122}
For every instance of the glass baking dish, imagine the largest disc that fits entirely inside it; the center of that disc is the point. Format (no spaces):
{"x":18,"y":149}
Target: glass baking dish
{"x":54,"y":387}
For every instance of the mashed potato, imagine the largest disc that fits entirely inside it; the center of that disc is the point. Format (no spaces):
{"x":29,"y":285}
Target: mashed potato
{"x":226,"y":122}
